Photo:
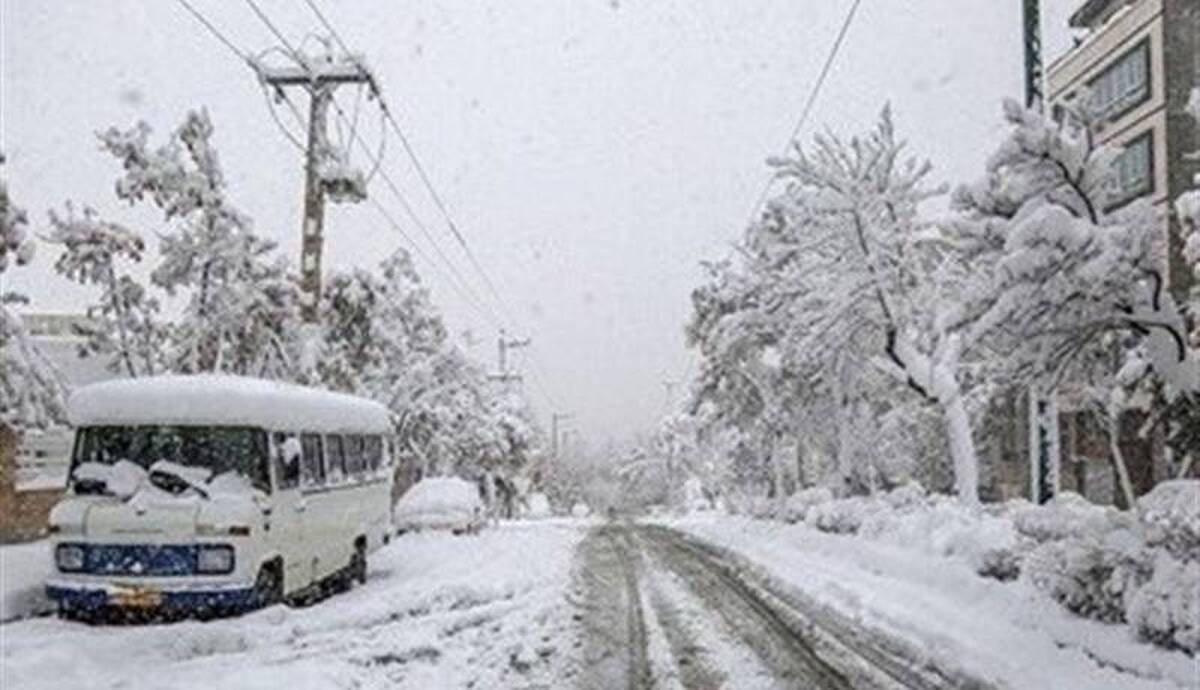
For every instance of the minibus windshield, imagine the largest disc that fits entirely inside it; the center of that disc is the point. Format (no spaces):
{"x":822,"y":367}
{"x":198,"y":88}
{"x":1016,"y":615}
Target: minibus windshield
{"x":218,"y":449}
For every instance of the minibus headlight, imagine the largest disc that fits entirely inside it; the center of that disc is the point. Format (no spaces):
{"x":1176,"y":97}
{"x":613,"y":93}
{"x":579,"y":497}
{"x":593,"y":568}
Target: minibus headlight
{"x":215,"y":559}
{"x":69,"y":558}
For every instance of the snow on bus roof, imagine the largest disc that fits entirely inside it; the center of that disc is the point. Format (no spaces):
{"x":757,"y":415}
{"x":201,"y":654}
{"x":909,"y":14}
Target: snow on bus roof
{"x":222,"y":400}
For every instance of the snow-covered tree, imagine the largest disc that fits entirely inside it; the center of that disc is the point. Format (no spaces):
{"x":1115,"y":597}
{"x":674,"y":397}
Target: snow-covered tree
{"x":1075,"y":264}
{"x":241,"y":303}
{"x":123,"y":323}
{"x":30,"y":389}
{"x":385,"y":339}
{"x":840,"y":277}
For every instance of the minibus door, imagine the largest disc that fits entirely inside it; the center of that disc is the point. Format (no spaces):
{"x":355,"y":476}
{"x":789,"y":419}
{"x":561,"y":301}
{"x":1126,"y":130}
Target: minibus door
{"x":287,"y":525}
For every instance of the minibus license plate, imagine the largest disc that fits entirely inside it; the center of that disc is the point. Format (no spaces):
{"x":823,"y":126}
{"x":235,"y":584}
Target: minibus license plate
{"x":137,"y":597}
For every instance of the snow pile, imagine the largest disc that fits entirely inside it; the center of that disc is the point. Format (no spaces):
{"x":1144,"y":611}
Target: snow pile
{"x":23,"y":571}
{"x":1096,"y":561}
{"x":538,"y":507}
{"x":122,"y":478}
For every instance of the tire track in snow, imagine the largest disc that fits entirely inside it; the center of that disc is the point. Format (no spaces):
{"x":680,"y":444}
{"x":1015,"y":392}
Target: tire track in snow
{"x":870,"y":661}
{"x":758,"y":625}
{"x":614,"y":627}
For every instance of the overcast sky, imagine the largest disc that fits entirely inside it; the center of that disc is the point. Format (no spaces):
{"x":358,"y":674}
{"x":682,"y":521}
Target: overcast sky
{"x":593,"y":152}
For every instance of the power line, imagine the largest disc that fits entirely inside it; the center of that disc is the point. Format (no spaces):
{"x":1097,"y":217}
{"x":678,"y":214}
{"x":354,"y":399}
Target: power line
{"x":422,"y":174}
{"x":469,"y":297}
{"x":462,"y":289}
{"x":811,"y":101}
{"x":245,"y":57}
{"x":274,"y":29}
{"x":454,"y":278}
{"x":428,"y":184}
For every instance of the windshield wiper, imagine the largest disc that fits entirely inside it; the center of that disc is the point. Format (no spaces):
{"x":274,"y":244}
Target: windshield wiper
{"x":173,"y":483}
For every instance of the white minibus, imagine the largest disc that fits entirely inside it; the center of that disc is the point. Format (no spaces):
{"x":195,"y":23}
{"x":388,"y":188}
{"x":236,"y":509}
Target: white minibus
{"x":207,"y":494}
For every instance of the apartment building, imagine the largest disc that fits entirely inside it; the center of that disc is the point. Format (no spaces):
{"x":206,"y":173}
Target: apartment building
{"x":1138,"y":61}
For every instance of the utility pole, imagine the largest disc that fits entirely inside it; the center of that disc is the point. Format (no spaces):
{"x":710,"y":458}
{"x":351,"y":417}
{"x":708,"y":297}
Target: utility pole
{"x":323,"y":172}
{"x":1031,"y":14}
{"x":503,"y":345}
{"x":1043,"y":412}
{"x":555,"y":418}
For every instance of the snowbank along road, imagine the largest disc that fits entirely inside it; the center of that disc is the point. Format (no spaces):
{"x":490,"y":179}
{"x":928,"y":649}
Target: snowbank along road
{"x":660,"y":610}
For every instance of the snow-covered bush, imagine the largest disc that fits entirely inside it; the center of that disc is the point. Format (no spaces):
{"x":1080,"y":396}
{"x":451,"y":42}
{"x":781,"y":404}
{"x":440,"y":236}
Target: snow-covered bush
{"x":1066,"y":515}
{"x":944,"y":527}
{"x":843,"y":516}
{"x":905,"y":496}
{"x":798,"y":504}
{"x":1171,"y":514}
{"x":1166,"y":610}
{"x":1093,"y":575}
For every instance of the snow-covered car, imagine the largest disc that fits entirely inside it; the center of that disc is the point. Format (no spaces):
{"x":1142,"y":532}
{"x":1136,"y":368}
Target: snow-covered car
{"x":445,"y":503}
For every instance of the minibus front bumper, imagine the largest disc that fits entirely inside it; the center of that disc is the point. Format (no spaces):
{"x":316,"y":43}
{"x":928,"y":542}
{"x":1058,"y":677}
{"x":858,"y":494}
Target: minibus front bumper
{"x":92,"y":598}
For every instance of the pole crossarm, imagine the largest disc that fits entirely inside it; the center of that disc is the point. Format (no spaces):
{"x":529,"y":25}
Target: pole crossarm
{"x":352,"y":72}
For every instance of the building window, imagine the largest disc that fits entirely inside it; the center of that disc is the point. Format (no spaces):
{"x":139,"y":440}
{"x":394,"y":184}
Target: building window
{"x":1134,"y":168}
{"x":1123,"y":85}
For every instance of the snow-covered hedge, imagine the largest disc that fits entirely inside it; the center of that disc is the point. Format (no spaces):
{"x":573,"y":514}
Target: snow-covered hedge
{"x":1138,"y":567}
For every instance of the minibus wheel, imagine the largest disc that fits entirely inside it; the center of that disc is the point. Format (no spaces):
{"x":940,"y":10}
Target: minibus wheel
{"x":268,"y":585}
{"x":358,"y":562}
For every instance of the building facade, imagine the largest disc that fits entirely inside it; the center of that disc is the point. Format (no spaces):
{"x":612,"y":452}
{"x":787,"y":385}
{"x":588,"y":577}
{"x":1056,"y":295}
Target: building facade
{"x":33,"y":468}
{"x":1138,"y":62}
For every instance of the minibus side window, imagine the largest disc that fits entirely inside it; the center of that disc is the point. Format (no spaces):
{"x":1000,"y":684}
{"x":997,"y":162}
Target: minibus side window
{"x":373,"y":450}
{"x":335,"y":458}
{"x":355,"y":463}
{"x":312,"y":464}
{"x":287,"y":461}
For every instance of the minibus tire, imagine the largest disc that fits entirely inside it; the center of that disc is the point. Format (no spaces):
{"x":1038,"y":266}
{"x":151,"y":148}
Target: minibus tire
{"x":268,"y":585}
{"x":358,"y":563}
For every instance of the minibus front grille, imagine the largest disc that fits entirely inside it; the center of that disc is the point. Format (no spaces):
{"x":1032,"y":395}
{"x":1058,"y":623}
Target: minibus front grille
{"x":140,"y":559}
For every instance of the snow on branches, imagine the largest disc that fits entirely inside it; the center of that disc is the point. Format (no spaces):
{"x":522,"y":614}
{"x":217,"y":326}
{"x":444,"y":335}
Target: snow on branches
{"x":30,"y":390}
{"x":1073,"y":259}
{"x":240,"y":301}
{"x":123,"y":322}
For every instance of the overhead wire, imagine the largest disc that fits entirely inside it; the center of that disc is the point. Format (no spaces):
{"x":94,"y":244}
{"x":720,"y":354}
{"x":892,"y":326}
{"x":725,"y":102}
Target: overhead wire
{"x":469,"y":298}
{"x":428,"y":184}
{"x":422,"y":174}
{"x":811,"y":100}
{"x":463,"y":290}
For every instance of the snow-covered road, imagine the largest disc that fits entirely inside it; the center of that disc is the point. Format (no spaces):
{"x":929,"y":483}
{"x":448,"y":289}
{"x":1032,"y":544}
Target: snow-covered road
{"x":663,"y":611}
{"x":438,"y":611}
{"x":717,"y":602}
